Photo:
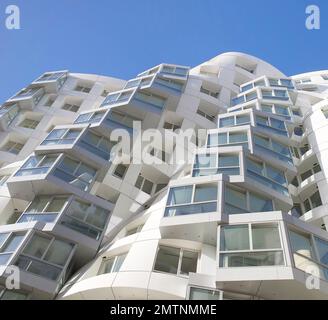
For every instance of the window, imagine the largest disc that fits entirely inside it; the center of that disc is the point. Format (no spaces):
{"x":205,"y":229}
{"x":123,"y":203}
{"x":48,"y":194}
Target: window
{"x":206,"y":115}
{"x":204,"y":294}
{"x":144,"y":184}
{"x":9,"y":242}
{"x":176,"y":261}
{"x":83,"y":88}
{"x":267,"y":175}
{"x":9,"y":112}
{"x":150,"y":98}
{"x":29,"y":123}
{"x":76,"y":173}
{"x":45,"y":257}
{"x":61,"y":136}
{"x":209,"y":92}
{"x":274,"y":125}
{"x":171,"y":126}
{"x":194,"y":199}
{"x":86,"y":218}
{"x":122,"y":118}
{"x":37,"y":165}
{"x":242,"y":201}
{"x":90,"y":117}
{"x":312,"y":202}
{"x":212,"y":164}
{"x":228,"y":138}
{"x":309,"y":252}
{"x":275,"y":94}
{"x":112,"y":264}
{"x":235,"y":120}
{"x":12,"y":147}
{"x":120,"y":171}
{"x":273,"y":148}
{"x":250,"y":245}
{"x":97,"y":145}
{"x":44,"y":208}
{"x":71,"y":107}
{"x":10,"y":294}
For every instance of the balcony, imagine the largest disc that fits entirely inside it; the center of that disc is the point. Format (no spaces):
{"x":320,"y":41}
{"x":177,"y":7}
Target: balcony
{"x":8,"y":113}
{"x":256,"y":257}
{"x":51,"y":81}
{"x":28,"y":98}
{"x":51,"y":174}
{"x":81,"y":143}
{"x":134,"y":100}
{"x":43,"y":260}
{"x":168,"y":71}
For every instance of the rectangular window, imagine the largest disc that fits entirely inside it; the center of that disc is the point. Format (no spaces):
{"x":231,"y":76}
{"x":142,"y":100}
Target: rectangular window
{"x":37,"y":165}
{"x":12,"y":147}
{"x":250,"y":246}
{"x":83,"y":88}
{"x":45,"y":257}
{"x":75,"y":173}
{"x":194,"y":199}
{"x":112,"y":264}
{"x":29,"y":123}
{"x":71,"y":107}
{"x":176,"y":261}
{"x":243,"y":201}
{"x":120,"y":171}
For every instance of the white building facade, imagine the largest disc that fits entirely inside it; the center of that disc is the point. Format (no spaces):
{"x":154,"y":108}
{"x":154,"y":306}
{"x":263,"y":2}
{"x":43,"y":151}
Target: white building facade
{"x":244,"y":218}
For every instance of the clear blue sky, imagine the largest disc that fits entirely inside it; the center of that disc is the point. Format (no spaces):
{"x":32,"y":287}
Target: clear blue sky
{"x":122,"y":38}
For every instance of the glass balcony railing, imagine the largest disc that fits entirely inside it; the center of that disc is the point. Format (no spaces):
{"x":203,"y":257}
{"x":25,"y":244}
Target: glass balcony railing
{"x":115,"y":98}
{"x":275,"y":154}
{"x":9,"y":113}
{"x":81,"y":227}
{"x":191,"y":209}
{"x":267,"y":182}
{"x":174,"y":70}
{"x":51,"y":76}
{"x":42,"y":217}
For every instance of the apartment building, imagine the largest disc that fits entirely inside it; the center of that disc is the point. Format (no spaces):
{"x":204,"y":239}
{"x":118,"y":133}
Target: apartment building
{"x":246,"y":218}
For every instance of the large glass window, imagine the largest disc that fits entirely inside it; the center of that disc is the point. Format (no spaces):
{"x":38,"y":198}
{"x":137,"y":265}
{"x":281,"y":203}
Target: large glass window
{"x":176,"y":261}
{"x":273,"y":148}
{"x":274,"y":125}
{"x":227,"y":138}
{"x":44,"y":208}
{"x":45,"y":256}
{"x":213,"y":163}
{"x":250,"y":246}
{"x":86,"y":218}
{"x":37,"y":165}
{"x":191,"y":200}
{"x":310,"y":253}
{"x":267,"y":175}
{"x":75,"y":173}
{"x":61,"y":136}
{"x":9,"y":242}
{"x":242,"y":201}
